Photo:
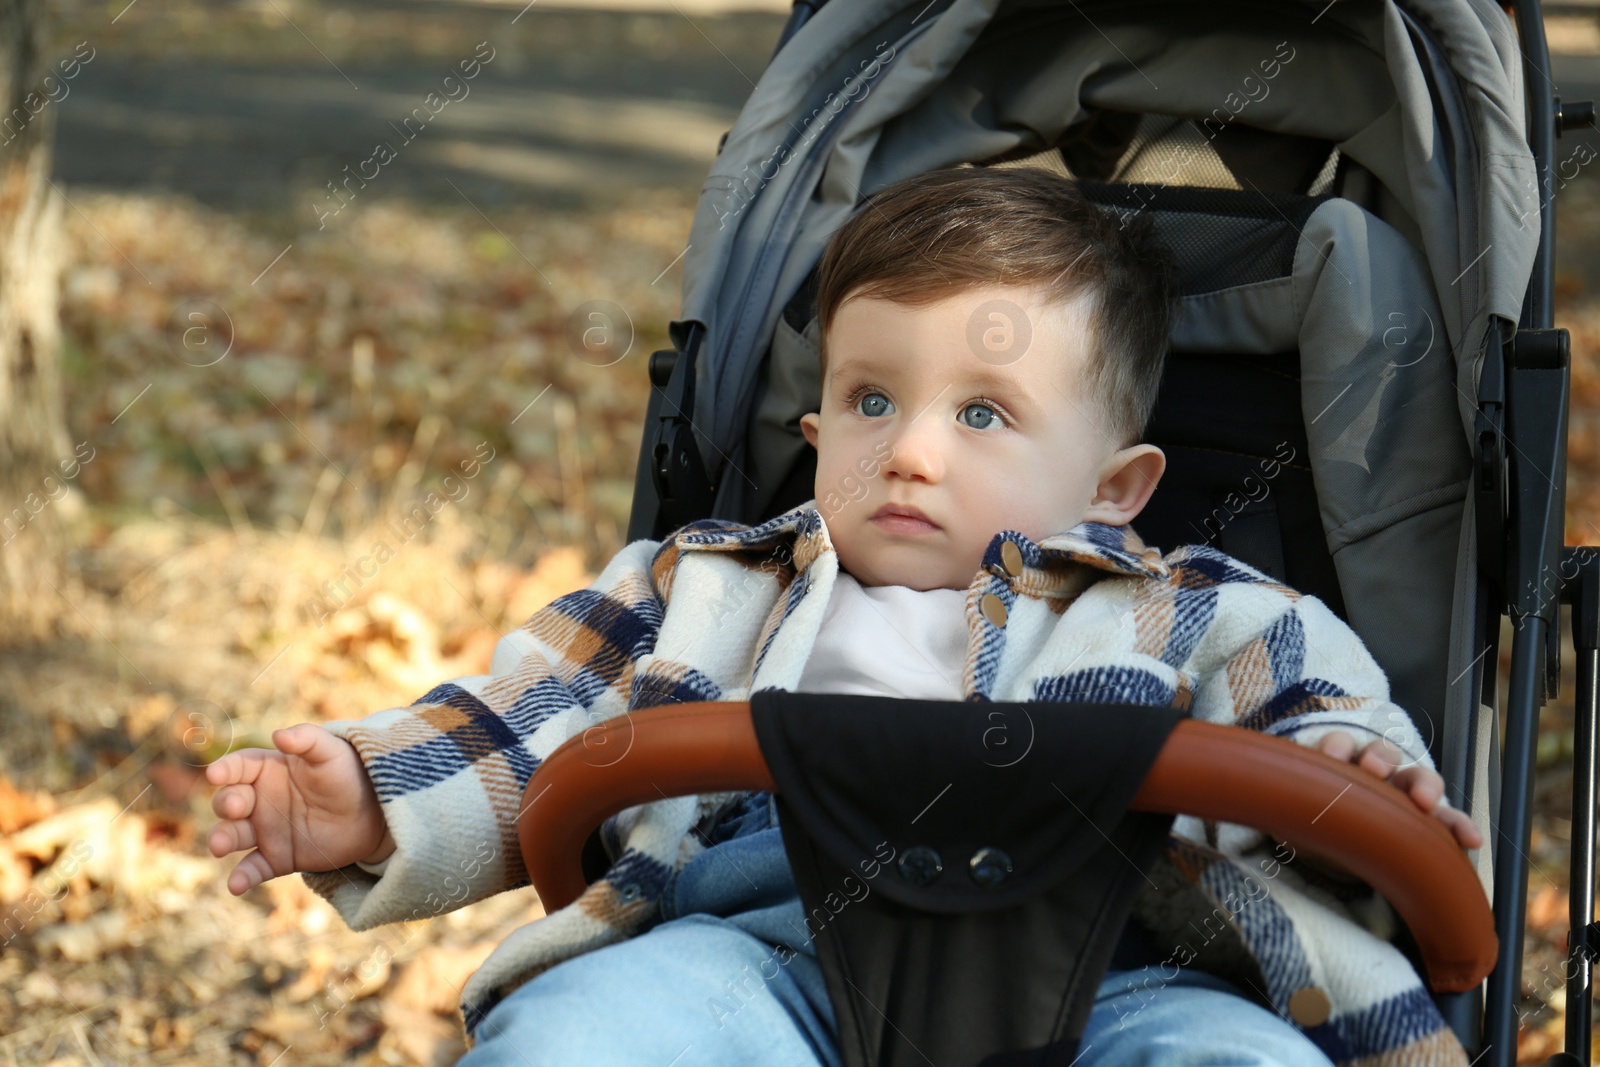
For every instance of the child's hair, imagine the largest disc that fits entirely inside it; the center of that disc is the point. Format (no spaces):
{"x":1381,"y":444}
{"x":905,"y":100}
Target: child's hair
{"x":932,"y":236}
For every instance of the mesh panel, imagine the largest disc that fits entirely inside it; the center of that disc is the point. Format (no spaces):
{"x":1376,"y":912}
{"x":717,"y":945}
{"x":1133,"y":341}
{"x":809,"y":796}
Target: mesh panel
{"x":1222,"y":238}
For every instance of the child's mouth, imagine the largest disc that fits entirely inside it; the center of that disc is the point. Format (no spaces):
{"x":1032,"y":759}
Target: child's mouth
{"x":899,"y":522}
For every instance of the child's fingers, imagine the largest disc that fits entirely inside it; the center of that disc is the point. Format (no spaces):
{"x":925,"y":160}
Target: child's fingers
{"x":217,"y":770}
{"x":306,"y":740}
{"x":234,"y":801}
{"x":1380,"y":758}
{"x":241,"y":766}
{"x":250,"y":872}
{"x":229,"y":837}
{"x":1424,"y":786}
{"x":1337,"y":744}
{"x":1461,"y":825}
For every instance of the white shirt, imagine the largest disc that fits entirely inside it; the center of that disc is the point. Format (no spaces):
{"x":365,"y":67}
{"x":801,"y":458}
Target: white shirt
{"x":881,"y":640}
{"x":889,"y":640}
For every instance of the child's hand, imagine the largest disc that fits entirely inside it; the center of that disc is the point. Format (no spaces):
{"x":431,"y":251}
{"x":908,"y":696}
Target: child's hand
{"x":307,"y":807}
{"x":1424,"y":786}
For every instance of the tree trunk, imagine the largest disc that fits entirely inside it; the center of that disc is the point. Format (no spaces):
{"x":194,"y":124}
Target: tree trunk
{"x":37,"y":462}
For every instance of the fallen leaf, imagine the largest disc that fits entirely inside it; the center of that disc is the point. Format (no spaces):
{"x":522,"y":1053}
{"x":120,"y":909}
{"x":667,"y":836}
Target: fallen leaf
{"x":432,"y":981}
{"x":1548,"y":908}
{"x":559,"y":571}
{"x":81,"y":942}
{"x":421,"y":1037}
{"x":19,"y":809}
{"x":175,"y":780}
{"x":16,"y":875}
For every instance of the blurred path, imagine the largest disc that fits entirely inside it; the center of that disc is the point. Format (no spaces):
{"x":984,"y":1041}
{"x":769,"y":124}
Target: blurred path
{"x":575,"y":106}
{"x":273,"y":99}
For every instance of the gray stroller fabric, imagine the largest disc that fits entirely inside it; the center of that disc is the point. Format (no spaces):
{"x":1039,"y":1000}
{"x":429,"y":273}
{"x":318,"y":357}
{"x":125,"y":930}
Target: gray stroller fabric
{"x":1387,"y":302}
{"x":1426,"y":97}
{"x":1379,"y":404}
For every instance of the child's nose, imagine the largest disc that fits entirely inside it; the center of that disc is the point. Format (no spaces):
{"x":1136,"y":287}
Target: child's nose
{"x":918,"y":451}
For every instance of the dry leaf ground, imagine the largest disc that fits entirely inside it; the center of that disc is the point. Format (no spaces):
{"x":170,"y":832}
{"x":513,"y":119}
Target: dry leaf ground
{"x":222,"y":591}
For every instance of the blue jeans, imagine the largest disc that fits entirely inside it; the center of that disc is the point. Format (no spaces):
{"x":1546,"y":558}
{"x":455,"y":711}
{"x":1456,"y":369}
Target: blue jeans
{"x":729,"y":977}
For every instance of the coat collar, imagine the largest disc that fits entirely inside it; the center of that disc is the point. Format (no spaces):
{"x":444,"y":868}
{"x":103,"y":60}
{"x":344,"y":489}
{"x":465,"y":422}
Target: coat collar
{"x":801,"y":534}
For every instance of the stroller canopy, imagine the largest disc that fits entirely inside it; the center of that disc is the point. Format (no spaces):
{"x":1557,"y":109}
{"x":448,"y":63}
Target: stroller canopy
{"x":1379,"y":298}
{"x":1425,"y":95}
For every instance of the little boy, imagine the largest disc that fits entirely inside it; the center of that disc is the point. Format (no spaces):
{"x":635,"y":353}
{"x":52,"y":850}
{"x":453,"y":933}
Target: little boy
{"x":992,"y":348}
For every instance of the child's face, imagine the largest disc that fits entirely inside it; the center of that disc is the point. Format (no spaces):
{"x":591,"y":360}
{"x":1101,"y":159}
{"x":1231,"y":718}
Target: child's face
{"x":912,"y":415}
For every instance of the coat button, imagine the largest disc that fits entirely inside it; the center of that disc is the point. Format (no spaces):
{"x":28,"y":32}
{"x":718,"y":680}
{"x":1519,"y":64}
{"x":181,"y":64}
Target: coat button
{"x":1309,"y":1006}
{"x":1011,"y":558}
{"x":993,"y":608}
{"x":920,"y":865}
{"x":989,"y":867}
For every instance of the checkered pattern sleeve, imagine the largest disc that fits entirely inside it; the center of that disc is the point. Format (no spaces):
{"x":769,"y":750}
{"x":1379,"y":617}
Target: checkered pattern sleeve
{"x":450,"y":770}
{"x":1308,"y":674}
{"x":1287,"y":665}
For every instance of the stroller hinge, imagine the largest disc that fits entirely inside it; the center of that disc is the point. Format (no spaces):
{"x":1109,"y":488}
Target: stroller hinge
{"x":1584,"y":942}
{"x":1490,"y":483}
{"x":683,"y":487}
{"x":1538,"y":389}
{"x":1573,"y":115}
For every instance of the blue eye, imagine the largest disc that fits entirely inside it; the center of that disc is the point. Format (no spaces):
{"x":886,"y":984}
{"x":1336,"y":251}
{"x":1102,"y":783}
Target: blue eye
{"x":873,"y":410}
{"x":985,"y":418}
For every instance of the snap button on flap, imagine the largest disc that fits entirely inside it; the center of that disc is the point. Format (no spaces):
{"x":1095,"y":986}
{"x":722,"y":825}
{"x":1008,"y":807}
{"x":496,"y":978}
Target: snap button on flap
{"x":1011,"y":558}
{"x":993,"y":608}
{"x":989,"y":866}
{"x":1309,"y":1006}
{"x":920,"y":865}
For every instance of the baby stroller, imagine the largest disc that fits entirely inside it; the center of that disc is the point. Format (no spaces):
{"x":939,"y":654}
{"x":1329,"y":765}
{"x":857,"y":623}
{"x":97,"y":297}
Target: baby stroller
{"x":1360,"y":196}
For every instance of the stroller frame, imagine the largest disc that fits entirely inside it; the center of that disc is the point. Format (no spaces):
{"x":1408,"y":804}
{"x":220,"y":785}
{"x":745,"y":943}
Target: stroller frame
{"x":1525,"y":572}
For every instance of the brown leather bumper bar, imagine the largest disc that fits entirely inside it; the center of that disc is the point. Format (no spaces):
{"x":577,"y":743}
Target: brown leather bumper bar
{"x":1214,"y":772}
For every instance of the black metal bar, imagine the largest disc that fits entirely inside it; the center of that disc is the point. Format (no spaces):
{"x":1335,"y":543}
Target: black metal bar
{"x":1584,"y":593}
{"x":671,"y":486}
{"x":1511,"y":828}
{"x":798,"y":17}
{"x":644,"y":518}
{"x":1537,"y":397}
{"x":1491,"y":476}
{"x":1538,"y":304}
{"x":1491,"y":481}
{"x":1463,"y":1013}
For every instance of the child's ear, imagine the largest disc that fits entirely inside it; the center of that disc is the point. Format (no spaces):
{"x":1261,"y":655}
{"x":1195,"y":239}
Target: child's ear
{"x":809,"y":425}
{"x":1126,"y":482}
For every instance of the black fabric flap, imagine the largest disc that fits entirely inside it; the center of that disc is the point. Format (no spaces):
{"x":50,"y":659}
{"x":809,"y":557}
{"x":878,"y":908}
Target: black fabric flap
{"x":878,"y":780}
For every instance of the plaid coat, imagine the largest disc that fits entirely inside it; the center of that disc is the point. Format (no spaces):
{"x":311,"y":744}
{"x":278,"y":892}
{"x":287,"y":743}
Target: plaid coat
{"x":719,"y":610}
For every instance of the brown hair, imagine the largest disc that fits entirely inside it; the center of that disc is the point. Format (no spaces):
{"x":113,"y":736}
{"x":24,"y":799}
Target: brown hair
{"x":945,"y":231}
